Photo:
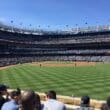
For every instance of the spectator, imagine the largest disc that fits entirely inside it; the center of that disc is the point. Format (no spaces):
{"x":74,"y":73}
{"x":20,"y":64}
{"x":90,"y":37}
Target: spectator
{"x":85,"y":103}
{"x":106,"y":106}
{"x":30,"y":101}
{"x":12,"y":104}
{"x":3,"y":91}
{"x":39,"y":106}
{"x":52,"y":103}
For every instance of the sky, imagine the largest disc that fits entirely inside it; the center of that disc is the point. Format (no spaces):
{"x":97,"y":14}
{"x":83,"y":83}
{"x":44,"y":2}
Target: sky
{"x":54,"y":14}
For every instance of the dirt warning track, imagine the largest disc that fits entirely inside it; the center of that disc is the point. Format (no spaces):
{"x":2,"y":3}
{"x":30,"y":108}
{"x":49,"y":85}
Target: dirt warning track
{"x":56,"y":64}
{"x":71,"y":64}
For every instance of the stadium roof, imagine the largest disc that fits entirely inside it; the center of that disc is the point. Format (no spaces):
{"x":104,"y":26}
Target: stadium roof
{"x":77,"y":30}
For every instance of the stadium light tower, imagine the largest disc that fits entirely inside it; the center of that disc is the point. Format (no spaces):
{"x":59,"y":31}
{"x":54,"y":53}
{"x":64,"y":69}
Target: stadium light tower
{"x":67,"y":27}
{"x":21,"y":26}
{"x":30,"y":28}
{"x":109,"y":24}
{"x":86,"y":24}
{"x":12,"y":25}
{"x":77,"y":29}
{"x":48,"y":26}
{"x":97,"y":26}
{"x":30,"y":25}
{"x":1,"y":24}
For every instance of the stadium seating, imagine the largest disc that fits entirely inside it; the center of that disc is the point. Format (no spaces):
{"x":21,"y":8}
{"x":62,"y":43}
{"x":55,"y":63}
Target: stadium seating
{"x":21,"y":47}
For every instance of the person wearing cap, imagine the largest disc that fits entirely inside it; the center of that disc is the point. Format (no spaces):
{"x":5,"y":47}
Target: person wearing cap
{"x":3,"y":91}
{"x":12,"y":104}
{"x":52,"y":103}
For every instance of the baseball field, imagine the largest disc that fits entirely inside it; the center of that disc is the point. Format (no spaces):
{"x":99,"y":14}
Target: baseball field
{"x":66,"y":78}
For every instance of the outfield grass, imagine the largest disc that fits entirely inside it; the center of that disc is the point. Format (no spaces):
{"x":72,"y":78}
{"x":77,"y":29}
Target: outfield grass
{"x":93,"y":80}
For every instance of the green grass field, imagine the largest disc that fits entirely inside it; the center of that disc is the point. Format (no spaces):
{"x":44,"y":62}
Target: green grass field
{"x":93,"y":80}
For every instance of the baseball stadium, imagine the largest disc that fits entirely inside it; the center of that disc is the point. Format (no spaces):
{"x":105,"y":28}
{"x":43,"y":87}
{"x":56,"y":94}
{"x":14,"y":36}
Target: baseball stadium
{"x":54,"y":55}
{"x":73,"y":63}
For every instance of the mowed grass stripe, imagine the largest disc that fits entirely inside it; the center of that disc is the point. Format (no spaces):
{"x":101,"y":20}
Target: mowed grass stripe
{"x":28,"y":78}
{"x":93,"y":80}
{"x":19,"y":76}
{"x":59,"y":80}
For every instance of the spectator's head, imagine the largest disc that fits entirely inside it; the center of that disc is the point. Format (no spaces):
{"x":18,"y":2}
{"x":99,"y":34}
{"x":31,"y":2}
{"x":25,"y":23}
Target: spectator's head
{"x":38,"y":102}
{"x":51,"y":94}
{"x":28,"y":100}
{"x":106,"y":106}
{"x":108,"y":102}
{"x":15,"y":95}
{"x":3,"y":89}
{"x":85,"y":101}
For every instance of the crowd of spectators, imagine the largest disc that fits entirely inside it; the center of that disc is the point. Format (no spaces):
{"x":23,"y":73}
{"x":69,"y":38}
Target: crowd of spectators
{"x":18,"y":48}
{"x":29,"y":100}
{"x":4,"y":61}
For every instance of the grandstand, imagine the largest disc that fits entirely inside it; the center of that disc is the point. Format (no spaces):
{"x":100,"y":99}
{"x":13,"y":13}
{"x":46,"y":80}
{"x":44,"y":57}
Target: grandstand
{"x":90,"y":44}
{"x":81,"y":44}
